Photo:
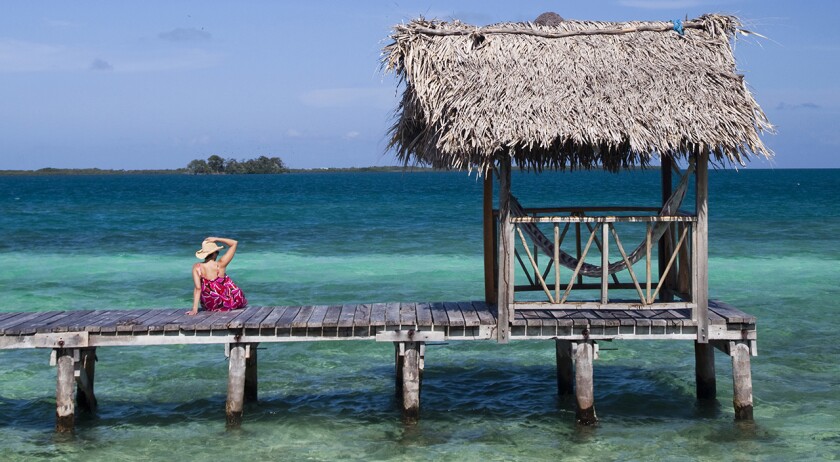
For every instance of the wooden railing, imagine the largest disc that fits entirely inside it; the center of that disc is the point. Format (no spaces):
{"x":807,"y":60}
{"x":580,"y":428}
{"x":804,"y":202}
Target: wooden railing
{"x":589,"y":238}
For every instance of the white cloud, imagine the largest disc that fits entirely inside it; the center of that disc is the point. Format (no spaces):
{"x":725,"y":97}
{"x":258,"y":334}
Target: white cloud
{"x":185,"y":34}
{"x":100,"y":65}
{"x":351,"y":135}
{"x":24,"y":56}
{"x":293,"y":133}
{"x":344,"y":97}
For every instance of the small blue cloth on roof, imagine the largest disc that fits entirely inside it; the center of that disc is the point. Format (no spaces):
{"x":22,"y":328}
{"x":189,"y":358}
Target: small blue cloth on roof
{"x":678,"y":26}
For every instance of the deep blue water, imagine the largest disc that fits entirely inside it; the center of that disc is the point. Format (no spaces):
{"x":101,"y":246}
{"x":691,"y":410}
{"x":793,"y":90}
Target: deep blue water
{"x":128,"y":242}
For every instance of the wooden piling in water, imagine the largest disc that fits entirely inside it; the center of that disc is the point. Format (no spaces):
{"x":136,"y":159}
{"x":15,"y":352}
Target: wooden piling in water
{"x":565,"y":367}
{"x":65,"y":387}
{"x":704,"y":366}
{"x":411,"y":369}
{"x":236,"y":385}
{"x":85,"y":372}
{"x":584,"y":384}
{"x":251,"y":381}
{"x":742,"y":398}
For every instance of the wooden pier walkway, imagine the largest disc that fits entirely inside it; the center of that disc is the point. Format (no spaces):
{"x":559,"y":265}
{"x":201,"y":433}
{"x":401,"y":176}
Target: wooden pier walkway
{"x":374,"y":321}
{"x":73,"y":336}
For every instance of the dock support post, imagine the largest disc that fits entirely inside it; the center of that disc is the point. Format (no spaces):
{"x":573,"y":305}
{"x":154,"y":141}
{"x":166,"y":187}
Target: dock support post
{"x":236,"y":384}
{"x":742,"y":380}
{"x":398,"y":369}
{"x":584,"y":383}
{"x":704,"y":367}
{"x":65,"y":408}
{"x":251,"y":381}
{"x":565,"y":367}
{"x":85,"y":370}
{"x":410,"y":359}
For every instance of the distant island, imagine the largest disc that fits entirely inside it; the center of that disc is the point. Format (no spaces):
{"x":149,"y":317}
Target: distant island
{"x":215,"y":165}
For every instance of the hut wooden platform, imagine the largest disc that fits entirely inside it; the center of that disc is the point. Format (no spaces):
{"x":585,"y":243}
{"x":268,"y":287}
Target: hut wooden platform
{"x":73,"y":336}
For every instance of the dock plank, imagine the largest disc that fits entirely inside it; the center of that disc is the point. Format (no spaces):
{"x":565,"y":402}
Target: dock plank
{"x":486,"y":313}
{"x":62,"y":321}
{"x":316,"y":320}
{"x":456,"y":318}
{"x":730,"y":313}
{"x":424,"y":314}
{"x":302,"y":317}
{"x":254,"y":321}
{"x":222,"y":319}
{"x":348,"y":312}
{"x":285,"y":321}
{"x":14,"y":327}
{"x":439,"y":317}
{"x":127,"y":325}
{"x":392,"y":314}
{"x":377,"y":314}
{"x":470,"y":316}
{"x":362,"y":316}
{"x":331,"y":318}
{"x":408,"y":314}
{"x":270,"y":321}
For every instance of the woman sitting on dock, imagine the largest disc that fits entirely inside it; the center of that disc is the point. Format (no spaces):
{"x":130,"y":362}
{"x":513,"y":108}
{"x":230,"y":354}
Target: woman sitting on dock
{"x":213,"y":288}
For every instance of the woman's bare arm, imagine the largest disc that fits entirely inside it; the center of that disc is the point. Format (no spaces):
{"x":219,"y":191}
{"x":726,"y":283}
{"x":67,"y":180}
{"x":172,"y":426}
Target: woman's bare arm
{"x":231,"y":251}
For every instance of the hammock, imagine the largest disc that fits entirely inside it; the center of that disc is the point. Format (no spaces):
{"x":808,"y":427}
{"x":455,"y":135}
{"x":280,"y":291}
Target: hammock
{"x":546,"y":245}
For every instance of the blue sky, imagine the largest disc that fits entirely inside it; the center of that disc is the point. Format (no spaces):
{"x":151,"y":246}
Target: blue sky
{"x":155,"y":84}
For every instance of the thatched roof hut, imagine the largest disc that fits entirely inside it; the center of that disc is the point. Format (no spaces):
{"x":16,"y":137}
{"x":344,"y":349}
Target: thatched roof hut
{"x":578,"y":94}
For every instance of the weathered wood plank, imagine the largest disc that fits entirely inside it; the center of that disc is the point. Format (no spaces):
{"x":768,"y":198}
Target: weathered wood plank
{"x":127,"y":325}
{"x":202,"y":318}
{"x":158,"y":323}
{"x":262,"y":313}
{"x":239,"y":322}
{"x":456,"y":318}
{"x":8,"y":315}
{"x":486,"y":313}
{"x":303,"y":317}
{"x":32,"y":326}
{"x":471,"y":318}
{"x":285,"y":321}
{"x":392,"y":314}
{"x":331,"y":318}
{"x":730,"y":313}
{"x":62,"y":321}
{"x":561,"y":318}
{"x":316,"y":320}
{"x":424,"y":314}
{"x":222,"y":319}
{"x":408,"y":314}
{"x":271,"y":320}
{"x":348,"y":312}
{"x":12,"y":328}
{"x":362,"y":316}
{"x":439,"y":317}
{"x":377,"y":314}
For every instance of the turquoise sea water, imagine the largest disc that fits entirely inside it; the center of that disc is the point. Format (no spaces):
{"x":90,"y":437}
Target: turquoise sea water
{"x":127,"y":242}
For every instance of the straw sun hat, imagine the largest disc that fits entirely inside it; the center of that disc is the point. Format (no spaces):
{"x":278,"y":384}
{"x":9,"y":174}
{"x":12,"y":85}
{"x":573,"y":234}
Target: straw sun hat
{"x":207,"y":247}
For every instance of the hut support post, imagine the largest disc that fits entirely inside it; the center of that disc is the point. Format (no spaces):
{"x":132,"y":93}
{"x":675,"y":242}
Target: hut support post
{"x":506,"y":243}
{"x":489,"y":251}
{"x":251,"y":382}
{"x":704,"y":364}
{"x":584,"y":383}
{"x":664,"y":248}
{"x":237,"y":356}
{"x":742,"y":398}
{"x":410,"y":363}
{"x":65,"y":406}
{"x":565,"y":367}
{"x":700,"y":264}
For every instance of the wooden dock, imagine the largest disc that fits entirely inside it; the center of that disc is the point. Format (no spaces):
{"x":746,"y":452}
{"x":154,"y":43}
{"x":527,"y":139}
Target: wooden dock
{"x":72,"y":337}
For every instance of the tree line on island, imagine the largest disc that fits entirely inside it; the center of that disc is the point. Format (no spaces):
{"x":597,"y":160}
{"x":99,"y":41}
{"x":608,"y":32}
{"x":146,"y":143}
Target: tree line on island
{"x":215,"y":165}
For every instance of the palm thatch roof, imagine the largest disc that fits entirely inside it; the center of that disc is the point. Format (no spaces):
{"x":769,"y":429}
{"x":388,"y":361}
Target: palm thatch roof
{"x":578,"y":94}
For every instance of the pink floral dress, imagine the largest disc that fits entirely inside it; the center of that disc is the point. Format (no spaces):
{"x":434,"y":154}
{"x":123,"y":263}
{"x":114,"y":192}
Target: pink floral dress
{"x":221,"y":294}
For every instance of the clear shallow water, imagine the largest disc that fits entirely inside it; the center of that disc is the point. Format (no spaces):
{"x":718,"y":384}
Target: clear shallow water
{"x":127,"y":242}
